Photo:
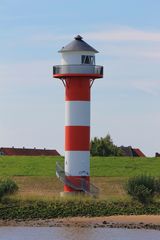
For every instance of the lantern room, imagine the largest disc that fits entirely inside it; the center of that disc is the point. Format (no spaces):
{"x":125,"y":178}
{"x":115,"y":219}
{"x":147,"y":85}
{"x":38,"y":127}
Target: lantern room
{"x":78,"y":57}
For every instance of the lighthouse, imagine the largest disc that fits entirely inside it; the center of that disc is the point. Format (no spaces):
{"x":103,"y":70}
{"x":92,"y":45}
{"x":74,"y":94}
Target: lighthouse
{"x":77,"y":71}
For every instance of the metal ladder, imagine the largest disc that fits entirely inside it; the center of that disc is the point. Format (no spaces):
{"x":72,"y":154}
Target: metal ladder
{"x":80,"y":184}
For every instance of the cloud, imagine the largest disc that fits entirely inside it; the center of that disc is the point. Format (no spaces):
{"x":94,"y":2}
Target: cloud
{"x":151,"y":87}
{"x":118,"y":41}
{"x":129,"y":42}
{"x":125,"y":34}
{"x":135,"y":51}
{"x":25,"y":73}
{"x":48,"y":37}
{"x":120,"y":33}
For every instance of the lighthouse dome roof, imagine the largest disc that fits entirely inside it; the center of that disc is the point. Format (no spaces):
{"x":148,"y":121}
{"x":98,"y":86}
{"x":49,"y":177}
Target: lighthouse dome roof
{"x":78,"y":45}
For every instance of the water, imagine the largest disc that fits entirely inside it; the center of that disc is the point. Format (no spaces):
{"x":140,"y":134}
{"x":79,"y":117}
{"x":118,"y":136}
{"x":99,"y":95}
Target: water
{"x":63,"y":233}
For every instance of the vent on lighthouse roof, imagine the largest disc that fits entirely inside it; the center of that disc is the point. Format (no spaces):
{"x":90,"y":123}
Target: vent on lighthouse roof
{"x":78,"y":45}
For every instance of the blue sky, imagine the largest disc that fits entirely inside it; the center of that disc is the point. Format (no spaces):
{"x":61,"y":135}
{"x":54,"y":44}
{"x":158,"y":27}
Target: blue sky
{"x":125,"y":103}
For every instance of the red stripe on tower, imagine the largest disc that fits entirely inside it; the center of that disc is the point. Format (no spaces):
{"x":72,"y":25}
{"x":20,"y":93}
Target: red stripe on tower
{"x":77,"y":138}
{"x":78,"y":89}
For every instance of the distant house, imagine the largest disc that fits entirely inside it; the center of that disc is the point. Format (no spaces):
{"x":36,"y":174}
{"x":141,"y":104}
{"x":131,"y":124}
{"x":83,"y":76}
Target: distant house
{"x":27,"y":152}
{"x":157,"y":154}
{"x":138,"y":153}
{"x":132,"y":152}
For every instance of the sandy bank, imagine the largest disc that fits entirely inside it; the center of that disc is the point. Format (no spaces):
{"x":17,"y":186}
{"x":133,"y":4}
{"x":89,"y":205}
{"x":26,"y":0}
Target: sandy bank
{"x":142,"y":221}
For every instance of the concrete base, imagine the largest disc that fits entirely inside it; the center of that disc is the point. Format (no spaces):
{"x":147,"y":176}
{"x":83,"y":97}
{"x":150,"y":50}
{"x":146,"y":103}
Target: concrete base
{"x":71,"y":194}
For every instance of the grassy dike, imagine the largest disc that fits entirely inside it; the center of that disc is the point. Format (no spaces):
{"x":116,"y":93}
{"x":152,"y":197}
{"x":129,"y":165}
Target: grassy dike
{"x":39,"y":188}
{"x":100,"y":166}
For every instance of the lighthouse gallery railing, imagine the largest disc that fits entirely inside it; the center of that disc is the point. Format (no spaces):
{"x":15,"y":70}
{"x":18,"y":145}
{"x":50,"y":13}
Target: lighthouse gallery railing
{"x":80,"y":184}
{"x":85,"y":69}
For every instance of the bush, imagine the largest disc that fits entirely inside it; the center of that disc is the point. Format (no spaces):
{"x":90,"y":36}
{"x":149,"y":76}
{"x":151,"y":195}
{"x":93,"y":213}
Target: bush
{"x":157,"y":185}
{"x":7,"y":186}
{"x":142,"y":188}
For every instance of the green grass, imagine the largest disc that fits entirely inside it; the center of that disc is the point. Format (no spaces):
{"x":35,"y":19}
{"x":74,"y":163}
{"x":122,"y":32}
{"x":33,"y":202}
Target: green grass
{"x":100,"y":166}
{"x":28,"y":166}
{"x":124,"y":166}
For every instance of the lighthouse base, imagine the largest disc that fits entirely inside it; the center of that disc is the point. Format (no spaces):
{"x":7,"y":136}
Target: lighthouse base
{"x":72,"y":194}
{"x":77,"y":184}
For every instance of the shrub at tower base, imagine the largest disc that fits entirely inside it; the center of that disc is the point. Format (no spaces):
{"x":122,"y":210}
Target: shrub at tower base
{"x":142,"y":188}
{"x":24,"y":210}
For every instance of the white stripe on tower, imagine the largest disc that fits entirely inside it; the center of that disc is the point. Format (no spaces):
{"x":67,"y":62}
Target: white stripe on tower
{"x":77,"y":113}
{"x":76,"y":163}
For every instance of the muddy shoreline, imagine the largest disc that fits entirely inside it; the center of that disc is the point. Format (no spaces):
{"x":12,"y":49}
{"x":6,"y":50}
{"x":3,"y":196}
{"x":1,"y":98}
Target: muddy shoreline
{"x":129,"y":222}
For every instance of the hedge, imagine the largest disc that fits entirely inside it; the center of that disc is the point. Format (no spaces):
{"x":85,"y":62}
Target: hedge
{"x":60,"y":209}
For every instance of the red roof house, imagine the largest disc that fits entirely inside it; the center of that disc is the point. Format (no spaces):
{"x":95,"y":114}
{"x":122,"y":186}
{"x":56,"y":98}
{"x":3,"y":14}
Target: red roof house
{"x":132,"y":152}
{"x":27,"y":152}
{"x":137,"y":152}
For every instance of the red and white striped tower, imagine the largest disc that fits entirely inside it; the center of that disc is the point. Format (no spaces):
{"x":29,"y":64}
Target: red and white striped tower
{"x":77,"y":72}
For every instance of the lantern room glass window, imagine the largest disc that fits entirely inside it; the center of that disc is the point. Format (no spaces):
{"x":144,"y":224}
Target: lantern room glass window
{"x":88,"y":59}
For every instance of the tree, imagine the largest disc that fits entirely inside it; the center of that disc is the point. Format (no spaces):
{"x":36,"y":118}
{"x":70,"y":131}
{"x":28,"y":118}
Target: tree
{"x":104,"y":147}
